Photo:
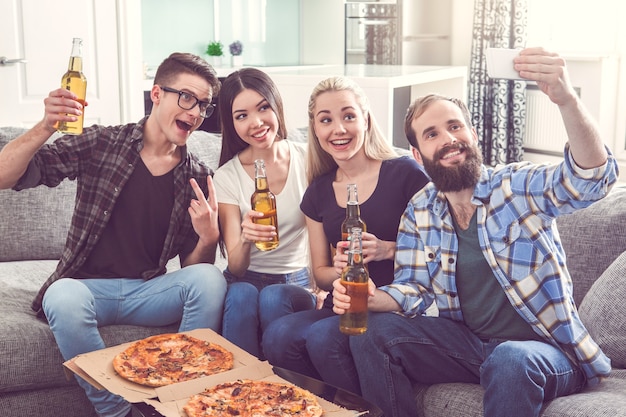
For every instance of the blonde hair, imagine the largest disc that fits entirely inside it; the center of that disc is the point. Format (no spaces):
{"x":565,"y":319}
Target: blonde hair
{"x":375,"y":145}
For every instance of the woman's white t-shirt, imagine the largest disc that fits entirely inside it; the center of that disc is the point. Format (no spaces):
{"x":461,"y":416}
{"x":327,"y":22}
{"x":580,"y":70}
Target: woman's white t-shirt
{"x":233,"y":185}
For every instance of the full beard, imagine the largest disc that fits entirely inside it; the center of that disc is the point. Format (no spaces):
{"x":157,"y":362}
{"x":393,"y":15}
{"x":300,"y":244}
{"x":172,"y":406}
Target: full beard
{"x":458,"y":177}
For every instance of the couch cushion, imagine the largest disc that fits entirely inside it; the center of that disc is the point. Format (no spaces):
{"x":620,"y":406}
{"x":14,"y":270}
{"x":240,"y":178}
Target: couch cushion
{"x":29,"y":357}
{"x":465,"y":400}
{"x":593,"y":238}
{"x":604,"y":313}
{"x":34,"y":222}
{"x":206,"y":146}
{"x":606,"y":399}
{"x":66,"y":401}
{"x":26,"y":225}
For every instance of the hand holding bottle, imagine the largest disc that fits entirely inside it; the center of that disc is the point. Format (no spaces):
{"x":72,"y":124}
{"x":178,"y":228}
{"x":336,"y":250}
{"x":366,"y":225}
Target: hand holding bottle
{"x":341,"y":300}
{"x":374,"y":249}
{"x":61,"y":105}
{"x":252,"y":232}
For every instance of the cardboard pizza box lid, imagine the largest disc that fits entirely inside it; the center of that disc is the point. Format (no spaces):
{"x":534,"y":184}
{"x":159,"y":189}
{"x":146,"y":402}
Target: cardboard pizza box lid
{"x":97,"y":367}
{"x":188,"y":388}
{"x":172,"y":398}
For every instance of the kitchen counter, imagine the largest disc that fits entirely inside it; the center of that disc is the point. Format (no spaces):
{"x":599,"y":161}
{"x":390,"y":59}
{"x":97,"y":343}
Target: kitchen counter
{"x":390,"y":89}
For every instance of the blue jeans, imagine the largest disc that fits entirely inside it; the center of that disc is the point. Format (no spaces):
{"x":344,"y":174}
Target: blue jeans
{"x":284,"y":341}
{"x":257,"y":299}
{"x":75,"y":308}
{"x":518,"y":376}
{"x":329,"y":352}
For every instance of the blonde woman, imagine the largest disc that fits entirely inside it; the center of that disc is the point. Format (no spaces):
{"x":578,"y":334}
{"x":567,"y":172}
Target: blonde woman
{"x":345,"y":147}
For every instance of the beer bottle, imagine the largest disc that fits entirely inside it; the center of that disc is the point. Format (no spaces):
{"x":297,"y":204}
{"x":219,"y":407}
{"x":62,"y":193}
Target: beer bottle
{"x":355,"y":278}
{"x":353,"y":214}
{"x":75,"y":81}
{"x":264,"y":200}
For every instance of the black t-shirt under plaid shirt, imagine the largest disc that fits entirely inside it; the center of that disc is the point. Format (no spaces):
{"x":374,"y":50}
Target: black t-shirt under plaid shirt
{"x":133,"y":239}
{"x":101,"y":160}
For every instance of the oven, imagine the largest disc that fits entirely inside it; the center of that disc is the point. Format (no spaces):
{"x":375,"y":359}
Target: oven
{"x":372,"y":33}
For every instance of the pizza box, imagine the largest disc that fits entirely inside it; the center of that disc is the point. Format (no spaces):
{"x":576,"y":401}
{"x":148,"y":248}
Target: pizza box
{"x":97,"y":367}
{"x":172,"y":398}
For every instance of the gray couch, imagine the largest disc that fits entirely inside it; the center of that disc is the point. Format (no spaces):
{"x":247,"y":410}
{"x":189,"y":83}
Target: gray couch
{"x":33,"y":224}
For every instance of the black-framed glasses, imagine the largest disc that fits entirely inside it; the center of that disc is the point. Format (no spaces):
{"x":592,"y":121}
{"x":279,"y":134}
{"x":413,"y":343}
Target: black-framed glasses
{"x":188,"y":101}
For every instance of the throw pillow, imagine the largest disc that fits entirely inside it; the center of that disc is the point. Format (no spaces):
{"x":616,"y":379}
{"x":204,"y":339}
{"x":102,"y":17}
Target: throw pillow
{"x":603,"y":312}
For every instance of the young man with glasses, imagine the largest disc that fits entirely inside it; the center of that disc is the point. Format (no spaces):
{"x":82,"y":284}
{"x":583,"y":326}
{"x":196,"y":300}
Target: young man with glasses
{"x":142,"y":199}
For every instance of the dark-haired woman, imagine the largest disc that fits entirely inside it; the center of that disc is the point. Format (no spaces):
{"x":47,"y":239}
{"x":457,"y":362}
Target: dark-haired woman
{"x":253,"y":127}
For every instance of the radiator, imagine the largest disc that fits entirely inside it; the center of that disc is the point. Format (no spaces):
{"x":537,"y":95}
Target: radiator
{"x":545,"y":132}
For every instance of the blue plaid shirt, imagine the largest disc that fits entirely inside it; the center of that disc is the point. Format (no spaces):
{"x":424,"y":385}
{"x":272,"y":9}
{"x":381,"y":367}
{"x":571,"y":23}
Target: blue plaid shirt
{"x":516,"y":209}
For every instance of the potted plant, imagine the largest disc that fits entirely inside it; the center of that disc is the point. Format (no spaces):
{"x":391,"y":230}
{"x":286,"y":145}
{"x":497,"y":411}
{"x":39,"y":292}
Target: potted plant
{"x":236,"y":48}
{"x":215,"y":50}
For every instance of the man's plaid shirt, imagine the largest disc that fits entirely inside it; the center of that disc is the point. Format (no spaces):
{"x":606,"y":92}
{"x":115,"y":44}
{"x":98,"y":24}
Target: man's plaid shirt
{"x":516,"y":209}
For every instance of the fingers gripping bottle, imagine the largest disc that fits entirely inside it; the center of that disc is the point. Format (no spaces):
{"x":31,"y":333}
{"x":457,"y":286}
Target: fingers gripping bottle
{"x":264,"y":200}
{"x":353,"y":214}
{"x":355,"y":278}
{"x":75,"y":81}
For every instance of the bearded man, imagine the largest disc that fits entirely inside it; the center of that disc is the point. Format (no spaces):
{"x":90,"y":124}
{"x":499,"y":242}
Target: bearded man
{"x":481,"y":244}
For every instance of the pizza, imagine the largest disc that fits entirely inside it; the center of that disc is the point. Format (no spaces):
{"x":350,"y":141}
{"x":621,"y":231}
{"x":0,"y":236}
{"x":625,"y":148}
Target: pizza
{"x":245,"y":398}
{"x":169,"y":358}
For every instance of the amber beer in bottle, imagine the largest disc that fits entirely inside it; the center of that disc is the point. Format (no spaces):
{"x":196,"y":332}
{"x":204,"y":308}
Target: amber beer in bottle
{"x":353,"y":214}
{"x":354,"y":278}
{"x":264,"y":200}
{"x":75,"y":81}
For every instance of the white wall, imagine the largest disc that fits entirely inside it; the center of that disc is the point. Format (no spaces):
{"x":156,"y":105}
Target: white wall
{"x":180,"y":26}
{"x":321,"y":32}
{"x":268,"y":29}
{"x":462,"y":22}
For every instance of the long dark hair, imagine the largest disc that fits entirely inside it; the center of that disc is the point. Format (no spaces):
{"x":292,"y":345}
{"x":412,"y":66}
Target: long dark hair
{"x":245,"y":78}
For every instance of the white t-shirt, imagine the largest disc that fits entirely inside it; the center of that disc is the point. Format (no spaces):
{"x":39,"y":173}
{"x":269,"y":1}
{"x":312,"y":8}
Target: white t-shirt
{"x":233,"y":185}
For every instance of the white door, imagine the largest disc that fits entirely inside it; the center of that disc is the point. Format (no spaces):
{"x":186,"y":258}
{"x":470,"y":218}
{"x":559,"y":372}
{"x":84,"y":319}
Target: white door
{"x":40,"y":32}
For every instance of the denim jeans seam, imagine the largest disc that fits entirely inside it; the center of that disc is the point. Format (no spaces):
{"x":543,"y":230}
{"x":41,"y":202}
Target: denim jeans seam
{"x":389,"y":384}
{"x":456,"y":355}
